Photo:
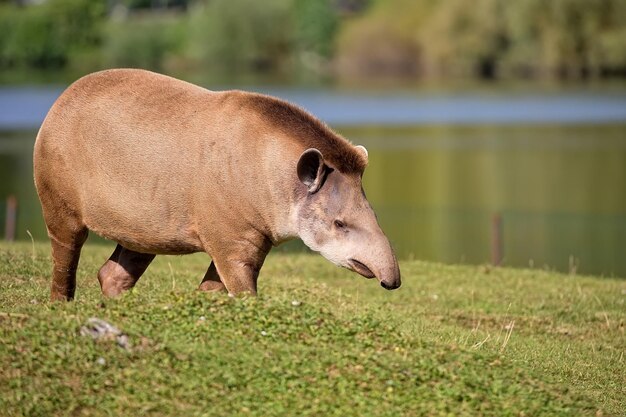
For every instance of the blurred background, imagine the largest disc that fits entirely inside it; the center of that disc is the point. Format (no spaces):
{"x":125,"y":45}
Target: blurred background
{"x":496,"y":129}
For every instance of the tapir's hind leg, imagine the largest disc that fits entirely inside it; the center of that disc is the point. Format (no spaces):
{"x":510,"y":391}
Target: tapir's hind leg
{"x":66,"y":246}
{"x":211,"y":280}
{"x":122,"y":271}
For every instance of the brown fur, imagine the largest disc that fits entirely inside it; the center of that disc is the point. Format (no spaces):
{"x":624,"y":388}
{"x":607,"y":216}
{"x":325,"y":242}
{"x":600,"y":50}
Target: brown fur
{"x":301,"y":126}
{"x":161,"y":166}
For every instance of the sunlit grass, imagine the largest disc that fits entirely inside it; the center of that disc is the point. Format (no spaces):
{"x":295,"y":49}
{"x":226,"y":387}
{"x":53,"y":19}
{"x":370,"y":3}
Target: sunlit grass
{"x":459,"y":340}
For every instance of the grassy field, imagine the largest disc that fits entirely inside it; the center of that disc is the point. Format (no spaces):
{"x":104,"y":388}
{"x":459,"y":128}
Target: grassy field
{"x":454,"y":340}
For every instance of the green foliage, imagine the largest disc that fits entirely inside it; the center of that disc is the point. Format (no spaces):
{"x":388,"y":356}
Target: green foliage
{"x":316,"y":25}
{"x":142,"y":41}
{"x":559,"y":38}
{"x":492,"y":38}
{"x":47,"y":35}
{"x":455,"y":340}
{"x":242,"y":35}
{"x":382,"y":42}
{"x":566,"y":38}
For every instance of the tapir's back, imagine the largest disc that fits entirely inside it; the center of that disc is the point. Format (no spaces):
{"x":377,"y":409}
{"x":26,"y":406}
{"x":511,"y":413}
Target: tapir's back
{"x":126,"y":148}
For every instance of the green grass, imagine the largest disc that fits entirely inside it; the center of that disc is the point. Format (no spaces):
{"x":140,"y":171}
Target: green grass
{"x":454,"y":340}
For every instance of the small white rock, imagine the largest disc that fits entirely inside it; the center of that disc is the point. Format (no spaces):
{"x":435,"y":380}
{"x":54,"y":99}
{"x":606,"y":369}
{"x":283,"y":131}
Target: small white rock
{"x":263,"y":333}
{"x":296,"y":303}
{"x":101,"y":361}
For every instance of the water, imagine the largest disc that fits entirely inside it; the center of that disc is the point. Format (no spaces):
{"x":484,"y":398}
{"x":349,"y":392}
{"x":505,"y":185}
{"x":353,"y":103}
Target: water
{"x":441,"y":167}
{"x":559,"y":190}
{"x":23,"y":108}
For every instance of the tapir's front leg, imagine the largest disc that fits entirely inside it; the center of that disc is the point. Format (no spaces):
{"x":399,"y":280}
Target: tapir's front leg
{"x":238,"y":263}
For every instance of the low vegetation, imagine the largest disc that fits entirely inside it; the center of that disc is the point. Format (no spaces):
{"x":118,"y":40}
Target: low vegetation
{"x":454,"y":340}
{"x":559,"y":39}
{"x":289,"y":40}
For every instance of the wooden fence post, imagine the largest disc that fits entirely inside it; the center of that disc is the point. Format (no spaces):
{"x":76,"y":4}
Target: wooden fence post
{"x":496,"y":240}
{"x":11,"y":219}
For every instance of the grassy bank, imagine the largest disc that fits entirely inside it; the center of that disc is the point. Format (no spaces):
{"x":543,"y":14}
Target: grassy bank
{"x":454,"y":340}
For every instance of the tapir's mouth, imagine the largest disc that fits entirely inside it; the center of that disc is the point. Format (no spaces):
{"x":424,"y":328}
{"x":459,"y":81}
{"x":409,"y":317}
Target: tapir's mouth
{"x":360,"y":268}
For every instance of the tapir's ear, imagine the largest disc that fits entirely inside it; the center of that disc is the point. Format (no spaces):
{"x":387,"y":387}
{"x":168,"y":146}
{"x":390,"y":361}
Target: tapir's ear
{"x":312,"y":170}
{"x":361,"y":149}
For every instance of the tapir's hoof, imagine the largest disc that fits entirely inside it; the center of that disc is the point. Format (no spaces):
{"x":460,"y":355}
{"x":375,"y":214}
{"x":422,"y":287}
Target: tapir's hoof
{"x":212,"y":286}
{"x":55,"y":296}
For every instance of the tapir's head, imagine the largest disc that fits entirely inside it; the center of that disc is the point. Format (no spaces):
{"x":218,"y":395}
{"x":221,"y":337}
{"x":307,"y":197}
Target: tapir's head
{"x":335,"y":219}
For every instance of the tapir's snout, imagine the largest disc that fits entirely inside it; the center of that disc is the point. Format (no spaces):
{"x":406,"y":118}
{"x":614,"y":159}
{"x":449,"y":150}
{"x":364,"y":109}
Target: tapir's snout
{"x":384,"y":266}
{"x":390,"y":279}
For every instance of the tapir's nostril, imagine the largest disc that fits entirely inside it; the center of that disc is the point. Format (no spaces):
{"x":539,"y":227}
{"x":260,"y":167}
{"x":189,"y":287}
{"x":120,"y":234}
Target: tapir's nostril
{"x":389,"y":286}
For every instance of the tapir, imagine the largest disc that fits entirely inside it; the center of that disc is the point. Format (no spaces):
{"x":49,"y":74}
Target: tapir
{"x":162,"y":166}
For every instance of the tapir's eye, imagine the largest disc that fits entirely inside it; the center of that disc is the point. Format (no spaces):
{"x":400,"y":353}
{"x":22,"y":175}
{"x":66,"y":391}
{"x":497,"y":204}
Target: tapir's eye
{"x":339,"y":224}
